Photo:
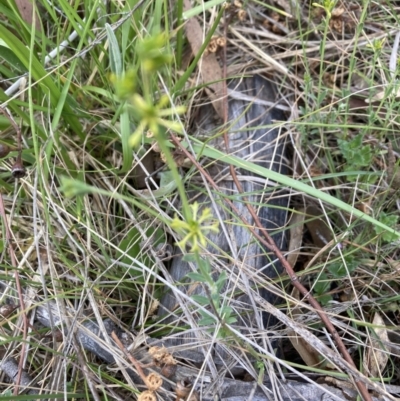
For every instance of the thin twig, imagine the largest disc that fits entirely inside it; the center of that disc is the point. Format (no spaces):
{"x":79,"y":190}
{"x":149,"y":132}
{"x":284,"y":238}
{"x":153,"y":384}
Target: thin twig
{"x":19,"y":290}
{"x":86,"y":372}
{"x":135,"y":363}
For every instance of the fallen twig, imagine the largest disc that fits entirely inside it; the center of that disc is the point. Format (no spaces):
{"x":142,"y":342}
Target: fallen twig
{"x":19,"y":376}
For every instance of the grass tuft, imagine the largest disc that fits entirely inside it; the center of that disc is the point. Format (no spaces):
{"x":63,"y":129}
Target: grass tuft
{"x":106,"y":194}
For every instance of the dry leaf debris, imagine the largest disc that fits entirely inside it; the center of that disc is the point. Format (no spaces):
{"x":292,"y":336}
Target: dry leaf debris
{"x":210,"y":70}
{"x":376,"y":355}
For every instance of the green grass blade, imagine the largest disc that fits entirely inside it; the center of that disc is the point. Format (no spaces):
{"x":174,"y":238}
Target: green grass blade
{"x":39,"y":74}
{"x":115,"y":52}
{"x":193,"y":12}
{"x":286,"y":181}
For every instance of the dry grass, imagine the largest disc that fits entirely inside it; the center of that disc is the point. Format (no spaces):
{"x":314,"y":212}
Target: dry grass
{"x":97,"y":256}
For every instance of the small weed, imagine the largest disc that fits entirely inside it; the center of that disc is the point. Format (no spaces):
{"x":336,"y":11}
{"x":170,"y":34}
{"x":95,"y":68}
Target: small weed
{"x":391,"y":221}
{"x":224,"y":313}
{"x":321,"y":287}
{"x":357,"y":155}
{"x":343,"y":268}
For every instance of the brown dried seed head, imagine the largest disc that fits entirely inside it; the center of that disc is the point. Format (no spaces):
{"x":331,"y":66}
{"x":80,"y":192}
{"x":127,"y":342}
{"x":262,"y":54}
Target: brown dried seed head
{"x":194,"y":397}
{"x":337,"y":12}
{"x":183,"y":389}
{"x":158,"y":353}
{"x":153,"y":381}
{"x":6,"y":310}
{"x":18,"y":170}
{"x":336,"y":24}
{"x":168,"y":371}
{"x":154,"y":306}
{"x":212,"y":46}
{"x":147,"y":396}
{"x":221,"y":41}
{"x":4,"y":150}
{"x":242,"y":15}
{"x":329,"y":79}
{"x":58,"y":335}
{"x":156,"y":147}
{"x":275,"y":16}
{"x":169,"y":360}
{"x":237,"y":4}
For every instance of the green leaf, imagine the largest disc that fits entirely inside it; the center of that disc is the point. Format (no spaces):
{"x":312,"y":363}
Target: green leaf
{"x":201,"y":8}
{"x":125,"y":140}
{"x":391,"y":221}
{"x":129,"y":247}
{"x":196,"y":276}
{"x":206,"y":321}
{"x":225,"y":312}
{"x":322,"y":285}
{"x":115,"y":52}
{"x":230,"y":320}
{"x":166,"y":178}
{"x":340,"y":269}
{"x":39,"y":74}
{"x":167,"y":186}
{"x":221,"y":281}
{"x":189,"y":258}
{"x":200,"y":299}
{"x":355,"y":154}
{"x":324,"y":299}
{"x":72,"y":187}
{"x":9,"y":56}
{"x":205,"y":268}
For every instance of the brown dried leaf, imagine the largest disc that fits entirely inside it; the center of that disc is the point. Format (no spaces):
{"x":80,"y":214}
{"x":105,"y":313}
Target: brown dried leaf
{"x":296,"y":236}
{"x":319,"y":230}
{"x":376,"y":356}
{"x":26,"y":10}
{"x":310,"y":356}
{"x":393,"y":173}
{"x":210,"y":71}
{"x":168,"y":371}
{"x":184,"y":391}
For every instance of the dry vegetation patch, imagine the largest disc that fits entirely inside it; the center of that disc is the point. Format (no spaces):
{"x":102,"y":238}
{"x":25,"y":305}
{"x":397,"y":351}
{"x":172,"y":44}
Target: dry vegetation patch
{"x":118,"y":139}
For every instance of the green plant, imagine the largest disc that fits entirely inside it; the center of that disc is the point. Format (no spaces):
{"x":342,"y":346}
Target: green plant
{"x":321,"y":287}
{"x":220,"y":312}
{"x":157,"y":118}
{"x":194,"y":231}
{"x":390,"y":221}
{"x":343,"y":267}
{"x":355,"y":153}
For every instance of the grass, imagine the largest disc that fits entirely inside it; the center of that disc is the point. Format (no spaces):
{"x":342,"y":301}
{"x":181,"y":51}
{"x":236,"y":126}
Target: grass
{"x":87,"y":238}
